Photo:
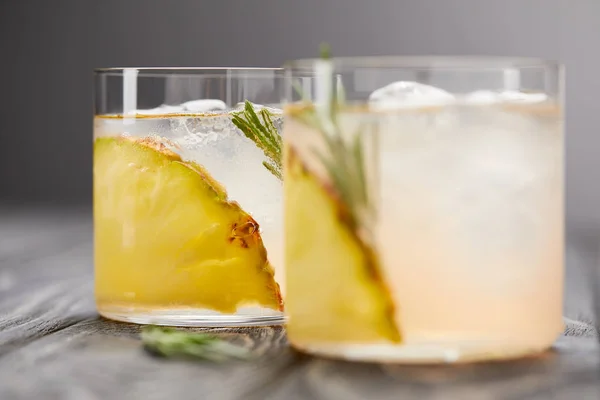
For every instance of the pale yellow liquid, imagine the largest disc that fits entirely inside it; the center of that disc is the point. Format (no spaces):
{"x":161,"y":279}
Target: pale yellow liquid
{"x":469,"y":230}
{"x":136,"y":294}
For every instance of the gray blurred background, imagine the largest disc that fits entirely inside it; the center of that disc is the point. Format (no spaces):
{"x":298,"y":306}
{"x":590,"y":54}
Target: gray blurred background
{"x":49,"y":48}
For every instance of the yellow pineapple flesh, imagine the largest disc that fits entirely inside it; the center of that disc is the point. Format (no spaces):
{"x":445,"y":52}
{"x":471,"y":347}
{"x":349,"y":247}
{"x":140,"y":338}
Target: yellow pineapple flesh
{"x":167,"y":236}
{"x":335,"y":292}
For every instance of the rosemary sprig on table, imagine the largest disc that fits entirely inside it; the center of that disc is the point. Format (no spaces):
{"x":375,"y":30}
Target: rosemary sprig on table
{"x":344,"y":159}
{"x":261,"y":131}
{"x":170,"y":342}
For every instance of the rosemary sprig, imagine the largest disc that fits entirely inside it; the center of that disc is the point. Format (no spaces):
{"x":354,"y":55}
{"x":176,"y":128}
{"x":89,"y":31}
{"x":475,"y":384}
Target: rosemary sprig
{"x":263,"y":133}
{"x":169,"y":342}
{"x":344,"y":158}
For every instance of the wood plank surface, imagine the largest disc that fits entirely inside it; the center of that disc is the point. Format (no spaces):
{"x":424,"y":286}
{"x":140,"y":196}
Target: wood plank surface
{"x":54,"y":346}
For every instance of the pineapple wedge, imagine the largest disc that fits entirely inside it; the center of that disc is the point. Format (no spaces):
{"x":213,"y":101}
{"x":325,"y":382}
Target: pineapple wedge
{"x":167,"y":236}
{"x":335,"y":292}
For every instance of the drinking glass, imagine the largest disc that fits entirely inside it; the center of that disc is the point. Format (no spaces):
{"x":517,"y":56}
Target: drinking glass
{"x":187,"y":196}
{"x":423,"y":207}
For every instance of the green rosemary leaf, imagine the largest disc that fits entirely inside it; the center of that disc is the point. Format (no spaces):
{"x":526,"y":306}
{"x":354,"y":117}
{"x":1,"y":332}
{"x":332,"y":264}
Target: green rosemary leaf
{"x":250,"y":130}
{"x":339,"y":180}
{"x":270,"y":127}
{"x":170,"y":342}
{"x":274,"y":170}
{"x":325,"y":51}
{"x":263,"y":133}
{"x":253,"y":120}
{"x":360,"y":161}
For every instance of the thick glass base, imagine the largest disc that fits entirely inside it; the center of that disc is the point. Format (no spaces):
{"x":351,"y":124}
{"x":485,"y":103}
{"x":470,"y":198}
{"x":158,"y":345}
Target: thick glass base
{"x":249,"y":316}
{"x":424,"y":353}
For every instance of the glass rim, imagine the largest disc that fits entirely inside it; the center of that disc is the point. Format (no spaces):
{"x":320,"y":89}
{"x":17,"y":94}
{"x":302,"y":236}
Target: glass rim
{"x":159,"y":72}
{"x":441,"y":62}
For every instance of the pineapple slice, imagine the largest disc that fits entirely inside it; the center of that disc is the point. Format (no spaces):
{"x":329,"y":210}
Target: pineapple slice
{"x":166,"y":235}
{"x":334,"y":289}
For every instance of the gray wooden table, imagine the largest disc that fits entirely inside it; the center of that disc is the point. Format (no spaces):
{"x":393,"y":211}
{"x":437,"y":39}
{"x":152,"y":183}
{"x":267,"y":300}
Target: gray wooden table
{"x":54,"y":346}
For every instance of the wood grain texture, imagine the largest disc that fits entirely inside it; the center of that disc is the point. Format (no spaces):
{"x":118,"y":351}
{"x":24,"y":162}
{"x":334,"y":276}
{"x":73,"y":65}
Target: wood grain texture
{"x":54,"y":346}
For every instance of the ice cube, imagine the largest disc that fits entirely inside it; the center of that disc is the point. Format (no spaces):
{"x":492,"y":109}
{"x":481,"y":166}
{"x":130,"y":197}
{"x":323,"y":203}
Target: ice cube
{"x":162,"y":109}
{"x":200,"y":130}
{"x":484,"y":97}
{"x":405,"y":94}
{"x":204,"y":105}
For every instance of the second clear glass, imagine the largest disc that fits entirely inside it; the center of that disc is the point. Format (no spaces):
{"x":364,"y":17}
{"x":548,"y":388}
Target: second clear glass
{"x":424,"y":208}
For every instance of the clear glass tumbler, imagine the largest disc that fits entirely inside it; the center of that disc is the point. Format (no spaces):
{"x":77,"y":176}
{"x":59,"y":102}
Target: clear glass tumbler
{"x":188,"y":196}
{"x":423,"y":208}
